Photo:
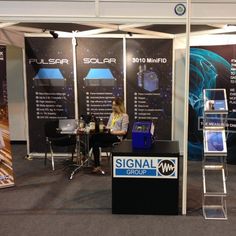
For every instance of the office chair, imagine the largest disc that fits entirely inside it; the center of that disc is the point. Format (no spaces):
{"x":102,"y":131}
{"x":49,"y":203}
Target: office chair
{"x":53,"y":138}
{"x":108,"y":150}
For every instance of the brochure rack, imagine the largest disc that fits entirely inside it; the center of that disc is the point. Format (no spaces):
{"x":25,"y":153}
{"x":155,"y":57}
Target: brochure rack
{"x":214,"y":165}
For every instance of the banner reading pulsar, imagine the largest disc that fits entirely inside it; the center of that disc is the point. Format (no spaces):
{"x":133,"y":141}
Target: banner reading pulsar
{"x":6,"y":170}
{"x":211,"y":67}
{"x":149,"y":83}
{"x":100,"y":75}
{"x":50,"y":85}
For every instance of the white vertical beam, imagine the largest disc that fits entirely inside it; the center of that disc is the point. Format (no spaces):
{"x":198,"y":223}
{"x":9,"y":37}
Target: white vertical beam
{"x":26,"y":102}
{"x":124,"y":69}
{"x":186,"y":95}
{"x":74,"y":44}
{"x":173,"y":93}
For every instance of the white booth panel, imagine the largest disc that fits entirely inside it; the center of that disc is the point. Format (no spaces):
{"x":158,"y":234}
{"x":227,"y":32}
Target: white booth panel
{"x":138,"y":9}
{"x":47,"y":8}
{"x":15,"y":87}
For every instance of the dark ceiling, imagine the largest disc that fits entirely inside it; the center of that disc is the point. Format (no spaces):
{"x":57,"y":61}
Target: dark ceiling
{"x":66,"y":27}
{"x":177,"y":29}
{"x":69,"y":27}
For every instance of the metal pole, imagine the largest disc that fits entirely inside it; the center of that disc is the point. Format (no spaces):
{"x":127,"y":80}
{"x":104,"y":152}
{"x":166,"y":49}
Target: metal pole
{"x":124,"y":66}
{"x":173,"y":93}
{"x":26,"y":103}
{"x":186,"y":96}
{"x":74,"y":43}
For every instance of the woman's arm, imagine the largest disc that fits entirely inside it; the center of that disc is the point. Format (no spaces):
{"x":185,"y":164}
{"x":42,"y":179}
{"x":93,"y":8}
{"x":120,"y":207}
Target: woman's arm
{"x":119,"y":133}
{"x":109,"y":122}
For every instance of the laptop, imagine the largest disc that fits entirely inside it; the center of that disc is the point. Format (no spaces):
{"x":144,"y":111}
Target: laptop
{"x":68,"y":126}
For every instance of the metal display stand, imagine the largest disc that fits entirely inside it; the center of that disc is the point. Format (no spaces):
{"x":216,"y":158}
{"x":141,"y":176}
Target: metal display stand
{"x":83,"y":159}
{"x":214,"y":164}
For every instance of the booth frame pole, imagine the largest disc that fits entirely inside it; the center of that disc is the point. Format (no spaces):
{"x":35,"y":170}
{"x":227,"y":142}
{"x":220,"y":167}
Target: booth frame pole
{"x":124,"y":68}
{"x":186,"y":104}
{"x":26,"y":102}
{"x":74,"y":44}
{"x":173,"y":92}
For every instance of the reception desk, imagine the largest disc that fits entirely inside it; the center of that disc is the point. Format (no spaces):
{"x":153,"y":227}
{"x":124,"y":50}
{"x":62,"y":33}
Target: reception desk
{"x":145,"y":181}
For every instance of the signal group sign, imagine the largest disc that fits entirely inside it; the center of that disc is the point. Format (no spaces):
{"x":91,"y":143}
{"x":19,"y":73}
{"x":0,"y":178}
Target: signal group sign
{"x":145,"y":167}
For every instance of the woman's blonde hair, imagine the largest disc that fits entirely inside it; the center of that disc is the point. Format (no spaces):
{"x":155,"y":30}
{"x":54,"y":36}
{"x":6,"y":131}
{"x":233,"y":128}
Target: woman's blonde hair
{"x":120,"y":103}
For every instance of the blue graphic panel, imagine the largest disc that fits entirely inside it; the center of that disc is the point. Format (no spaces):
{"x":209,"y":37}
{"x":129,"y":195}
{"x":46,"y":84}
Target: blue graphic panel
{"x":49,"y":73}
{"x":215,"y":141}
{"x":99,"y":73}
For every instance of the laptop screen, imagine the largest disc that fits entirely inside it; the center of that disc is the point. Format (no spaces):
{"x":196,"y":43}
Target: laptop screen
{"x":67,"y":125}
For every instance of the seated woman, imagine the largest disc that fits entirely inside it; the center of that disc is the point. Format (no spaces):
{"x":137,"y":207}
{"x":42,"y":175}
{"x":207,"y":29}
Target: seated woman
{"x":117,"y":127}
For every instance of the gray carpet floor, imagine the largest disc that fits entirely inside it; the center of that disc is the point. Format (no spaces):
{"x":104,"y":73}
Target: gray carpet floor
{"x":47,"y":203}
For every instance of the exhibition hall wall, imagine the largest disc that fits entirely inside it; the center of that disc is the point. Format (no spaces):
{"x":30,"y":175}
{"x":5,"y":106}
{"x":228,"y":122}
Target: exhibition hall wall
{"x":211,"y":66}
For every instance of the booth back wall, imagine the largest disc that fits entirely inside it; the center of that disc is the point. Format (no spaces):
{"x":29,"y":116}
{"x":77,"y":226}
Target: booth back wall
{"x":101,"y":75}
{"x":211,"y":67}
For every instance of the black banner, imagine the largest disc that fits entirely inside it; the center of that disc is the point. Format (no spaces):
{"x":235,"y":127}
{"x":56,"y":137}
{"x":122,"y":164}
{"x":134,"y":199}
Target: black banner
{"x":6,"y":170}
{"x":100,"y":74}
{"x":149,"y":83}
{"x":211,"y":67}
{"x":50,"y":85}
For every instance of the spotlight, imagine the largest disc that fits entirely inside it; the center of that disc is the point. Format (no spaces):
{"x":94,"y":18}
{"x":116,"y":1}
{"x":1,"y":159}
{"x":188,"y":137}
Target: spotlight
{"x":130,"y":34}
{"x":54,"y":35}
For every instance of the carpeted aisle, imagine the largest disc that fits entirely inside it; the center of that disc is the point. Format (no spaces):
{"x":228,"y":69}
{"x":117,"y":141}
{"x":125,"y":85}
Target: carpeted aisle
{"x":47,"y":203}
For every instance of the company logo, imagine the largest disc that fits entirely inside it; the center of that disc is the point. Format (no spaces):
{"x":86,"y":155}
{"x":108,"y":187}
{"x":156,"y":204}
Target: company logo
{"x":99,"y":61}
{"x":50,"y":61}
{"x":166,"y":167}
{"x":4,"y":177}
{"x":1,"y":56}
{"x":145,"y":167}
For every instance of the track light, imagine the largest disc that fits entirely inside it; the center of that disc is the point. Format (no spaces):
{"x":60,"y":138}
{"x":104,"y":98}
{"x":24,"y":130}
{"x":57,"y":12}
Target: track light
{"x":54,"y":35}
{"x":130,"y":34}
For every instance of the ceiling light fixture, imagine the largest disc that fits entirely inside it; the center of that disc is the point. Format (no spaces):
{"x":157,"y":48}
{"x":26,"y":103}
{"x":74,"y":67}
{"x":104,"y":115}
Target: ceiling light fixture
{"x":54,"y":35}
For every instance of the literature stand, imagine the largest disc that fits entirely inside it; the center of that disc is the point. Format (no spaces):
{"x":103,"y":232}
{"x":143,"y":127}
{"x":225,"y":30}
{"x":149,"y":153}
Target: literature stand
{"x":214,"y":164}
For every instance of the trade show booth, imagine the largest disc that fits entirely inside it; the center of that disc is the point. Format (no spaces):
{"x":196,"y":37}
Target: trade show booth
{"x":161,"y":69}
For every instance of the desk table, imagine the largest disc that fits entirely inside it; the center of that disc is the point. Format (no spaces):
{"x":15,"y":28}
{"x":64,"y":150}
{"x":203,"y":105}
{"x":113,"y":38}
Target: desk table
{"x":145,"y":181}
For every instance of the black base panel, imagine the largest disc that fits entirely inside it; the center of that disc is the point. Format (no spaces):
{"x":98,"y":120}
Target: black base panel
{"x":145,"y":196}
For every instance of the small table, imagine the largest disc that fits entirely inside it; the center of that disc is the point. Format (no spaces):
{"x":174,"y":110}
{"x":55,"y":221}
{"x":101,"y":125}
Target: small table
{"x":82,"y":137}
{"x":145,"y":181}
